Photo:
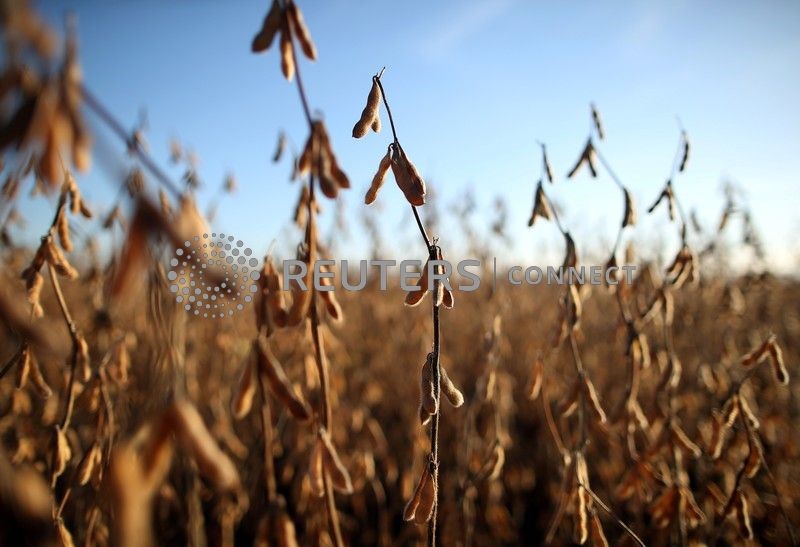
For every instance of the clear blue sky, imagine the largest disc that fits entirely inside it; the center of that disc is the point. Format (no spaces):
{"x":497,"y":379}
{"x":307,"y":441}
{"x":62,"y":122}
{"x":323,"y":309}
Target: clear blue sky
{"x":473,"y":85}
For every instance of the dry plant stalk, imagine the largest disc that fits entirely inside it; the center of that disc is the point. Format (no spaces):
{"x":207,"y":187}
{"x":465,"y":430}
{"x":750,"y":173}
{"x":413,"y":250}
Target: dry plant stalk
{"x":583,"y":393}
{"x":317,"y":161}
{"x":737,"y":408}
{"x":424,"y":504}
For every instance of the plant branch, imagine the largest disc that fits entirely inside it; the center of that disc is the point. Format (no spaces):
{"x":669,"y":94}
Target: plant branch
{"x":433,"y":254}
{"x":319,"y":350}
{"x":133,"y":145}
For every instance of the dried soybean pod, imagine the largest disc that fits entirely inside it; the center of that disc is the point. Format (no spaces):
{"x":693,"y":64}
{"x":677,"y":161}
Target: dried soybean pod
{"x":243,"y":399}
{"x":280,"y":147}
{"x":536,"y":379}
{"x":301,"y":300}
{"x":58,"y":261}
{"x":675,"y":369}
{"x":718,"y":433}
{"x":38,"y":379}
{"x":370,"y":112}
{"x":303,"y":35}
{"x":64,"y":536}
{"x":269,"y":366}
{"x":428,"y":401}
{"x":415,"y":297}
{"x":302,"y":297}
{"x":275,"y":300}
{"x":90,"y":460}
{"x":570,"y":404}
{"x":450,"y":390}
{"x":730,"y":411}
{"x":379,"y":178}
{"x":284,"y":530}
{"x":596,"y":532}
{"x":427,"y":500}
{"x":82,"y":357}
{"x":541,"y":206}
{"x":661,"y":196}
{"x":448,"y":299}
{"x":754,"y":456}
{"x":316,"y":476}
{"x":645,"y":349}
{"x":575,"y":306}
{"x":287,"y":54}
{"x":629,"y":219}
{"x":399,"y":171}
{"x":665,"y":506}
{"x":328,"y":186}
{"x":304,"y":162}
{"x":23,"y":363}
{"x":598,"y":124}
{"x":339,"y":176}
{"x":756,"y":355}
{"x":33,"y":287}
{"x":415,"y":193}
{"x":577,"y":165}
{"x":778,"y":366}
{"x":548,"y":169}
{"x":61,"y":452}
{"x":749,"y":415}
{"x":62,"y":227}
{"x":323,"y":164}
{"x":494,"y":465}
{"x":413,"y":504}
{"x":263,"y":40}
{"x":301,"y":207}
{"x":376,"y":124}
{"x":590,"y":159}
{"x":611,"y":273}
{"x":424,"y":417}
{"x":692,"y":511}
{"x":407,"y":178}
{"x":332,"y":306}
{"x":212,"y":462}
{"x":679,"y":435}
{"x":742,"y":509}
{"x":333,"y":465}
{"x":336,"y":173}
{"x":582,"y":513}
{"x":591,"y":392}
{"x":685,"y":153}
{"x":669,"y":305}
{"x":571,"y":256}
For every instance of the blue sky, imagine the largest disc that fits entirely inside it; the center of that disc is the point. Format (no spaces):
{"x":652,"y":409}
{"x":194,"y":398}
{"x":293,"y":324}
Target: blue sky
{"x":473,"y":85}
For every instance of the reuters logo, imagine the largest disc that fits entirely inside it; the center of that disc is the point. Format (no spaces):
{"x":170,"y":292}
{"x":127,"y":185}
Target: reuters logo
{"x":213,"y":276}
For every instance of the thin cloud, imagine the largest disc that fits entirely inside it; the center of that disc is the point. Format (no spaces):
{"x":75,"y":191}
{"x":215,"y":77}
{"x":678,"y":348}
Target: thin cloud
{"x":459,"y":27}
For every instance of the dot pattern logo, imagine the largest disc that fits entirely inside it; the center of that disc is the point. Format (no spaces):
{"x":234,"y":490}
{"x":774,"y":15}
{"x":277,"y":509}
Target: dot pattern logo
{"x":231,"y":262}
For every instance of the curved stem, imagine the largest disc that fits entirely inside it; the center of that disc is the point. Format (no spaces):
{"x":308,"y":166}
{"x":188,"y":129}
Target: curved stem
{"x":433,"y":254}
